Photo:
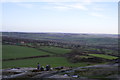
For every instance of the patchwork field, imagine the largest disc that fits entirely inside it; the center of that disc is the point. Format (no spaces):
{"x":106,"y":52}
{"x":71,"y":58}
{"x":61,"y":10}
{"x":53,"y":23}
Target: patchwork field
{"x":12,"y":51}
{"x":103,"y":56}
{"x":55,"y":49}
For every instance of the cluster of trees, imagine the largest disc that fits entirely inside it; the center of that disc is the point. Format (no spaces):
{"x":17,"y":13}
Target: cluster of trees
{"x":75,"y":47}
{"x":70,"y":40}
{"x":81,"y":55}
{"x":36,"y":43}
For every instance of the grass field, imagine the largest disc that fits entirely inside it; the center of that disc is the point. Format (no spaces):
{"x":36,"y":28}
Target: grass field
{"x":12,"y":51}
{"x":55,"y":49}
{"x":53,"y":61}
{"x":103,"y":56}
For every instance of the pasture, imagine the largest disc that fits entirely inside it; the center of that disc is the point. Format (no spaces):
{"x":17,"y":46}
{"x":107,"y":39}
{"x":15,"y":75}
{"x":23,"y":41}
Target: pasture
{"x":103,"y":56}
{"x":12,"y":51}
{"x":53,"y":61}
{"x":55,"y":49}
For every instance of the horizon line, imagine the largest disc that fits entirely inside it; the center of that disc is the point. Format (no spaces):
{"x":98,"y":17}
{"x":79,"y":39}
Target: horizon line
{"x":60,"y":32}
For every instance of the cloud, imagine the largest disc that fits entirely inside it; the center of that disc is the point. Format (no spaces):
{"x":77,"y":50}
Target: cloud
{"x":89,"y":1}
{"x":97,"y":15}
{"x":98,"y":9}
{"x":78,"y":6}
{"x":25,"y":5}
{"x":12,"y":1}
{"x":64,"y":6}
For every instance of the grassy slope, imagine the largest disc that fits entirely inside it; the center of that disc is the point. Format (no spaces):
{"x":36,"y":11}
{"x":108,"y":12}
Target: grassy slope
{"x":53,"y":61}
{"x":103,"y":56}
{"x":55,"y":49}
{"x":12,"y":51}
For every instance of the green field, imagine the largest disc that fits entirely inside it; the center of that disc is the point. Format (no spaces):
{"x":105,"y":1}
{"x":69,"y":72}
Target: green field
{"x":55,"y":49}
{"x":53,"y":61}
{"x":12,"y":51}
{"x":103,"y":56}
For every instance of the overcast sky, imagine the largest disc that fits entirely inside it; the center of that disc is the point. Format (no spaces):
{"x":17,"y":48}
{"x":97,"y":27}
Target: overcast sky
{"x":67,"y":17}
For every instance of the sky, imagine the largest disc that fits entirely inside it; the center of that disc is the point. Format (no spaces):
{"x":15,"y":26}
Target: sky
{"x":65,"y":17}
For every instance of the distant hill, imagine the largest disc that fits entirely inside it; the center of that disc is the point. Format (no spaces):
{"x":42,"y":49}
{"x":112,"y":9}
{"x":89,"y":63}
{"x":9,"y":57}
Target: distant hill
{"x":57,"y":35}
{"x":104,"y":40}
